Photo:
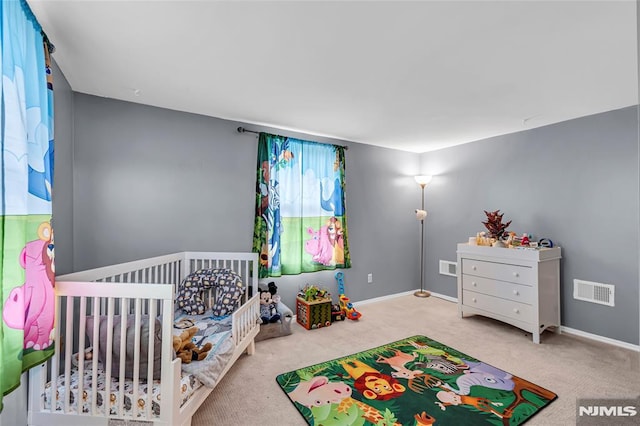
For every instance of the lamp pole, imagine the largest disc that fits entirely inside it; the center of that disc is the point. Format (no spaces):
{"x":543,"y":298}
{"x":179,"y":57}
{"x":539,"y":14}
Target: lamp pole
{"x":422,"y":292}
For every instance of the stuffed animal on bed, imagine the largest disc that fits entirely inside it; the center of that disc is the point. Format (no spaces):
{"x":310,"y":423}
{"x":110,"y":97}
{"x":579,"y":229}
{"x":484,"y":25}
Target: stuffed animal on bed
{"x":268,"y":312}
{"x":186,"y":350}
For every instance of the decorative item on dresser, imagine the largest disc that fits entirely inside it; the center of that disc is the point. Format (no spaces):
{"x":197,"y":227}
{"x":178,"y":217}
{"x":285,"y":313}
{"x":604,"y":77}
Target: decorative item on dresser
{"x":496,"y":228}
{"x":520,"y":287}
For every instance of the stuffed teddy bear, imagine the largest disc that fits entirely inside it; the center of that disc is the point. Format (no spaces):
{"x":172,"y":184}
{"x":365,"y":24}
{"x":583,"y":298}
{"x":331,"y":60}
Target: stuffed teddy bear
{"x":186,"y":350}
{"x":268,"y":312}
{"x":182,"y":344}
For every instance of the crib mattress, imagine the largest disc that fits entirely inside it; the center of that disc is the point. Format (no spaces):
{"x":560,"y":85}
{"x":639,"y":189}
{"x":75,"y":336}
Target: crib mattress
{"x":114,"y":396}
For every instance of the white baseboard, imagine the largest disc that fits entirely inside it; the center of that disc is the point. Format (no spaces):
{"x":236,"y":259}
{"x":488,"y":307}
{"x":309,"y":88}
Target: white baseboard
{"x":381,"y":298}
{"x":563,"y":328}
{"x":405,"y":293}
{"x":598,"y":338}
{"x":445,"y":297}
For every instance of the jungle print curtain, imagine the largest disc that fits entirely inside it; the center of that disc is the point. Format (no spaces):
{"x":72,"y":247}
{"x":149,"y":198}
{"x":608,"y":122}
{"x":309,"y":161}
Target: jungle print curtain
{"x":301,"y":222}
{"x":26,"y":181}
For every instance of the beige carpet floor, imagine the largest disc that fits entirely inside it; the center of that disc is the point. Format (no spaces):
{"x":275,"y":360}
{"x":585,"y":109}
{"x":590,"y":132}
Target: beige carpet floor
{"x":570,"y":366}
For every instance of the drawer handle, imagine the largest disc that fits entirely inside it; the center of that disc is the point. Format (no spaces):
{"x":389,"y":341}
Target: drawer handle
{"x":515,"y":274}
{"x":516,"y":310}
{"x":473,"y":299}
{"x":473,"y":283}
{"x":516,"y":292}
{"x":474,"y":267}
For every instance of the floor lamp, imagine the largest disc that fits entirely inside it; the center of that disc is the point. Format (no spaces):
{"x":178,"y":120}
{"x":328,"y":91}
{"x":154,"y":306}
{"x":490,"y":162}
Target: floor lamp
{"x":421,"y":214}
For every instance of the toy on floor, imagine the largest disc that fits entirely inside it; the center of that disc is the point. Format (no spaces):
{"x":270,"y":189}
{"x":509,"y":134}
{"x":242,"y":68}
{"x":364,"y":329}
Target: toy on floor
{"x":345,"y":303}
{"x":186,"y":350}
{"x":268,"y":311}
{"x":312,"y":293}
{"x":336,"y":312}
{"x":273,"y":289}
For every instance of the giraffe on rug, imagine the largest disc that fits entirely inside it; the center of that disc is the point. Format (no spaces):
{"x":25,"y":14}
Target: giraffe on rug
{"x":371,"y":414}
{"x":374,"y":415}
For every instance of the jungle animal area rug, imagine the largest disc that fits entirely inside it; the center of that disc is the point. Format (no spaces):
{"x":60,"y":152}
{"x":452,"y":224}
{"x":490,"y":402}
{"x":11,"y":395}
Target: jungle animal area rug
{"x":412,"y":382}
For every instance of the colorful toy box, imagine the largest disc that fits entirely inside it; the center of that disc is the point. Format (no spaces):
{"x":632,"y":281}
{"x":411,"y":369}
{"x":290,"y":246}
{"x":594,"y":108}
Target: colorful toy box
{"x":314,"y":313}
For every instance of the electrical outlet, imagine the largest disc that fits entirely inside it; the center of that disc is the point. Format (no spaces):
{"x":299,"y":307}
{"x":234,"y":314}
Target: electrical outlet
{"x":370,"y":278}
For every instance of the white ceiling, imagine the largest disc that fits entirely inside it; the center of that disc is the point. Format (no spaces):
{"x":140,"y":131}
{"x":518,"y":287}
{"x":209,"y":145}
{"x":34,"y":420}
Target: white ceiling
{"x":415,"y":76}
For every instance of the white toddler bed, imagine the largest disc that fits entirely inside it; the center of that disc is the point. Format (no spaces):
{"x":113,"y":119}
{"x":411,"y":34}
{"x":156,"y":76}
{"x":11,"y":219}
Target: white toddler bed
{"x":95,"y":307}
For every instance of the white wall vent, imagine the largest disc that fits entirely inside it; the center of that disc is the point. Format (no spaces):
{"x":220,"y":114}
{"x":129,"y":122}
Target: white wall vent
{"x":448,"y":268}
{"x":594,"y":292}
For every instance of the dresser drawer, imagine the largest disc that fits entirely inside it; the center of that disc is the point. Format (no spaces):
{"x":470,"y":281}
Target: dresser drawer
{"x":496,"y":305}
{"x":516,"y":292}
{"x":519,"y":287}
{"x":499,"y":271}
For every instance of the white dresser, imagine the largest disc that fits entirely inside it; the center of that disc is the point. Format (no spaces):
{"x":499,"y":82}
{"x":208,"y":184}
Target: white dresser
{"x":519,"y":287}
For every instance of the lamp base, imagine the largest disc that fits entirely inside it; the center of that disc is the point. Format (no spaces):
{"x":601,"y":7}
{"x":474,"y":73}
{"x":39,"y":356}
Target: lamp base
{"x":422,"y":293}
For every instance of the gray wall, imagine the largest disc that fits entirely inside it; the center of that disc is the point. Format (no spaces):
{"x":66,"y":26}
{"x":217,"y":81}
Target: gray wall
{"x":575,"y":182}
{"x":141,"y":181}
{"x":151,"y":181}
{"x":63,"y":172}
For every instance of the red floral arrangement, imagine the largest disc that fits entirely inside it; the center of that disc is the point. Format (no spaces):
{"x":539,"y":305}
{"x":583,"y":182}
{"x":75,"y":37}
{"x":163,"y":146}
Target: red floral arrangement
{"x":494,"y":224}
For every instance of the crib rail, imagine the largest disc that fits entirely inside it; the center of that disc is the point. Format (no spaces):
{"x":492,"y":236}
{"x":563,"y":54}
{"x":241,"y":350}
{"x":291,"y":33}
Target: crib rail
{"x":244,"y":320}
{"x":76,"y":302}
{"x":172,"y":268}
{"x":167,"y":269}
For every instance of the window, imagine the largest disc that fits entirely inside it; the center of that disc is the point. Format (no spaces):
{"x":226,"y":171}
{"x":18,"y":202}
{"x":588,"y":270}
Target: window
{"x":301,"y":222}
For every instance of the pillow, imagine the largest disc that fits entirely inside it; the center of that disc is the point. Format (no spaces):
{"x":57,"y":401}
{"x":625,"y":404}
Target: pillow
{"x":130,"y":350}
{"x":228,"y":291}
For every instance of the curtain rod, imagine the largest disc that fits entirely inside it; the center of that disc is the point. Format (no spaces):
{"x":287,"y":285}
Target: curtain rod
{"x":243,"y":130}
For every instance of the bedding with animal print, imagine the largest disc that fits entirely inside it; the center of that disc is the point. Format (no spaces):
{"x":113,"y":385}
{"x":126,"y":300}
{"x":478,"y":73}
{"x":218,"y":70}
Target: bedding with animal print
{"x":213,"y":331}
{"x":109,"y":399}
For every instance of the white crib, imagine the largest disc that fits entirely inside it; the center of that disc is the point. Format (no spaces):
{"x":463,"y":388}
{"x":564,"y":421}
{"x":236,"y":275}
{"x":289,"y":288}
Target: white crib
{"x":144,"y":287}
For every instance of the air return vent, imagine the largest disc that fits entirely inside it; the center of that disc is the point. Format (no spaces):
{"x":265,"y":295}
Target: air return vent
{"x":594,"y":292}
{"x":448,"y":268}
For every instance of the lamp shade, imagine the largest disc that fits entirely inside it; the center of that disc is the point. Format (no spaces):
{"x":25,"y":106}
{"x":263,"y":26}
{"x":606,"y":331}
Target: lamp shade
{"x":423,"y":179}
